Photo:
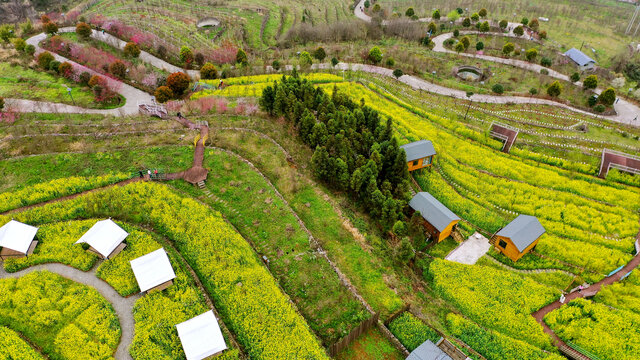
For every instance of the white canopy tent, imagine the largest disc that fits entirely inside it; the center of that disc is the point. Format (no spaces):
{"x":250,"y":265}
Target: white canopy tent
{"x":104,"y":237}
{"x":17,"y":236}
{"x":201,"y":336}
{"x":152,"y":270}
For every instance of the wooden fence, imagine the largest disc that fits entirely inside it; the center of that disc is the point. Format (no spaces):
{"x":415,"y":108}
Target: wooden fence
{"x":396,"y":314}
{"x":354,"y":334}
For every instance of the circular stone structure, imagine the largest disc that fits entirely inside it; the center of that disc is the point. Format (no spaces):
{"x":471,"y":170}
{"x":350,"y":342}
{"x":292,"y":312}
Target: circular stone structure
{"x":469,"y":73}
{"x":208,"y":22}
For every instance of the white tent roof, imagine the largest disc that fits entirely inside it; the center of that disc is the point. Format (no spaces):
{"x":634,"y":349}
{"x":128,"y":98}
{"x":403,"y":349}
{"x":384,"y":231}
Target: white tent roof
{"x":17,"y":236}
{"x":104,"y":236}
{"x":201,"y":336}
{"x":152,"y":269}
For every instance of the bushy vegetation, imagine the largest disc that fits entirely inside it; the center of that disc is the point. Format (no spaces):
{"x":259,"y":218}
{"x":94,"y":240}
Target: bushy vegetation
{"x":610,"y":334}
{"x":354,"y":149}
{"x":66,"y":319}
{"x":13,"y":347}
{"x":411,"y":331}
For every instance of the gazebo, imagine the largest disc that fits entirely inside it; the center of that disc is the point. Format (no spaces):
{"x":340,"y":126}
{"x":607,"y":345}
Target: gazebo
{"x":201,"y":336}
{"x":105,"y":238}
{"x":17,"y":240}
{"x":153,"y":271}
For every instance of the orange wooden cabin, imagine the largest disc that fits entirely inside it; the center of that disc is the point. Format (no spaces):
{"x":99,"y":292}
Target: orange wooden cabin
{"x":419,"y":154}
{"x":438,"y":219}
{"x":519,"y":237}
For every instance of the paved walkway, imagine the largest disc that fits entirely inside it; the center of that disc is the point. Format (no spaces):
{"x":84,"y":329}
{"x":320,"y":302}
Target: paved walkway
{"x":470,"y":251}
{"x":122,"y":306}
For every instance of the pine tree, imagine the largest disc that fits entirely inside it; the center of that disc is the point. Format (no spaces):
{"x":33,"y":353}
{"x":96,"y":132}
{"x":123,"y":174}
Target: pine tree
{"x":320,"y":161}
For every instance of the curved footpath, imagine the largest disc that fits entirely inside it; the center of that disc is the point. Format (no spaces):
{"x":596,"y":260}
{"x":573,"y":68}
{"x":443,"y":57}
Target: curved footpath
{"x":625,"y":110}
{"x":122,"y":306}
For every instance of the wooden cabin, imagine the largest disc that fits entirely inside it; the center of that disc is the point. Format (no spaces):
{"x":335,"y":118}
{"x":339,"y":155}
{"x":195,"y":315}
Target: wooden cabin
{"x":438,"y":219}
{"x":519,"y":237}
{"x":419,"y":154}
{"x":17,"y":240}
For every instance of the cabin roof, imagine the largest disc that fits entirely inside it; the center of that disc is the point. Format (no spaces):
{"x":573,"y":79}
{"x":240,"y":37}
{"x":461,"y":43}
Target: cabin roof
{"x":17,"y":236}
{"x":201,"y":336}
{"x":579,"y":57}
{"x":152,"y":269}
{"x":522,"y":231}
{"x":428,"y":351}
{"x":104,"y":236}
{"x":433,"y":210}
{"x":418,"y":150}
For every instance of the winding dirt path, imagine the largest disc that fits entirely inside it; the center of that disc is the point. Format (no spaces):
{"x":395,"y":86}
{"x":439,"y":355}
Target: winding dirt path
{"x":122,"y":306}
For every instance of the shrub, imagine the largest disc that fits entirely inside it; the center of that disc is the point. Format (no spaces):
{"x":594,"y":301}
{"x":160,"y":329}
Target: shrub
{"x":1,"y":103}
{"x":132,"y":50}
{"x":19,"y":44}
{"x":84,"y":78}
{"x":118,"y":69}
{"x":479,"y":45}
{"x":432,"y":27}
{"x":503,"y":24}
{"x":466,"y":42}
{"x":592,"y":100}
{"x":50,"y":28}
{"x":545,"y":61}
{"x":544,"y":71}
{"x":178,"y":82}
{"x":397,"y":73}
{"x":305,"y":59}
{"x":475,"y":17}
{"x":95,"y":80}
{"x":524,"y":21}
{"x":44,"y":59}
{"x":599,"y":108}
{"x":162,"y":52}
{"x":590,"y":82}
{"x":209,"y":71}
{"x":83,"y":30}
{"x":163,"y":94}
{"x":519,"y":30}
{"x":390,"y":62}
{"x":453,"y":16}
{"x":466,"y":22}
{"x":334,"y":61}
{"x":575,"y":77}
{"x":508,"y":48}
{"x":410,"y":12}
{"x":533,"y":91}
{"x":484,"y":27}
{"x":543,"y":34}
{"x":186,"y":55}
{"x":497,"y":88}
{"x":276,"y":65}
{"x":459,"y":47}
{"x":376,"y":8}
{"x":320,"y":54}
{"x":482,"y":12}
{"x":44,"y":19}
{"x":54,"y":65}
{"x":456,"y":33}
{"x":608,"y":97}
{"x":241,"y":57}
{"x":436,"y":14}
{"x":375,"y":55}
{"x":199,"y":59}
{"x":555,"y":89}
{"x":531,"y":54}
{"x":6,"y":32}
{"x":30,"y":49}
{"x":534,"y":24}
{"x":65,"y":69}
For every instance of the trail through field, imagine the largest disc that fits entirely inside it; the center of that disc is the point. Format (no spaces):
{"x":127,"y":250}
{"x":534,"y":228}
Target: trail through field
{"x":122,"y":306}
{"x":588,"y":292}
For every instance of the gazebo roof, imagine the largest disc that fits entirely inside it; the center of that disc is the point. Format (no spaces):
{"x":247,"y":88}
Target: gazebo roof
{"x":17,"y":236}
{"x":104,"y":236}
{"x":152,"y":269}
{"x":201,"y":336}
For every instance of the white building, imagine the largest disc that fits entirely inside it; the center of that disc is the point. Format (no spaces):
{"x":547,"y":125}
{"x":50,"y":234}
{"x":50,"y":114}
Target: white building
{"x":201,"y":336}
{"x":153,"y":271}
{"x":581,"y":59}
{"x":17,"y":240}
{"x":105,"y":238}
